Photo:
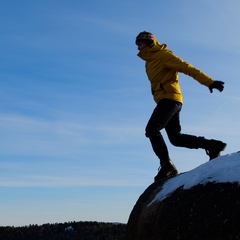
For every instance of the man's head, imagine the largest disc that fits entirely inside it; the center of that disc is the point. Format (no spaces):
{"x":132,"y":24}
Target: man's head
{"x":145,"y":37}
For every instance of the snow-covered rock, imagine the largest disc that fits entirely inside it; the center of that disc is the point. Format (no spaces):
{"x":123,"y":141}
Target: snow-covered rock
{"x":201,"y":204}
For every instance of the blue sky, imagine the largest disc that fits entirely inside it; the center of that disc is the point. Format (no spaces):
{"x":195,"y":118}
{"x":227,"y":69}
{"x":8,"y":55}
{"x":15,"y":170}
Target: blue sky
{"x":75,"y":100}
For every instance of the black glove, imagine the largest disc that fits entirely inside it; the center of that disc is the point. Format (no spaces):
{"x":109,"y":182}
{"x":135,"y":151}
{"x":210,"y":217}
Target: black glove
{"x":216,"y":84}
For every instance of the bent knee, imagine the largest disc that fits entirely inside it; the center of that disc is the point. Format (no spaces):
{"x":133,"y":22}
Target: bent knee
{"x":175,"y":141}
{"x":150,"y":132}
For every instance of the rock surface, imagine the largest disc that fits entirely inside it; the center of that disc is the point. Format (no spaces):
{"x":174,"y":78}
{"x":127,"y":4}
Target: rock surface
{"x":207,"y":208}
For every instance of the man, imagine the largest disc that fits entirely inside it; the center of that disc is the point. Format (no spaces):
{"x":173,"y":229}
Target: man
{"x":162,"y":68}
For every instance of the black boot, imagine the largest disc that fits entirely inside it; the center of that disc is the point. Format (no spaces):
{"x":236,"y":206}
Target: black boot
{"x":212,"y":147}
{"x":167,"y":169}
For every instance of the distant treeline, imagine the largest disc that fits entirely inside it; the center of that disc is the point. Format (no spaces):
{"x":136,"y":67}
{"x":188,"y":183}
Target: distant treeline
{"x":68,"y":230}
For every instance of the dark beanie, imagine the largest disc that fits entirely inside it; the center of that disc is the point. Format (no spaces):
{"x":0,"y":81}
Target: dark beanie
{"x":145,"y":37}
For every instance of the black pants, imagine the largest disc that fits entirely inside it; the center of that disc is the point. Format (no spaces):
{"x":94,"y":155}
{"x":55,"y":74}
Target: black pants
{"x":166,"y":115}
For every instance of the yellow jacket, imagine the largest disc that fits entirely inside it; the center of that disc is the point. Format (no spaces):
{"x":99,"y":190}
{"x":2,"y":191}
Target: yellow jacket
{"x":162,"y":68}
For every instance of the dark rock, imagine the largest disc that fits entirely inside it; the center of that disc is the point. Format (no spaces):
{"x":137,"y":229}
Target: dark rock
{"x":208,"y":210}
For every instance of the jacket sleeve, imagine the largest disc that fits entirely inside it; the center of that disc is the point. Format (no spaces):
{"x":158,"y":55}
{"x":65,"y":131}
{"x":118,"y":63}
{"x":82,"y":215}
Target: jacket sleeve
{"x":175,"y":63}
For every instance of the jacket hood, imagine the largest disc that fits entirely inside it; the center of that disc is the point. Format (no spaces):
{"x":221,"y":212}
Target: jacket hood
{"x":158,"y":45}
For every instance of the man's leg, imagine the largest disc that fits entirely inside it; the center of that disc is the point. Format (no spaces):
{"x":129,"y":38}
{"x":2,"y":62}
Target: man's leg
{"x":173,"y":129}
{"x":159,"y":119}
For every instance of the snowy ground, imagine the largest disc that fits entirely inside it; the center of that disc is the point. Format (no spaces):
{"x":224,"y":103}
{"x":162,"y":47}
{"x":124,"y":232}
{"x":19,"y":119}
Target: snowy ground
{"x":222,"y":169}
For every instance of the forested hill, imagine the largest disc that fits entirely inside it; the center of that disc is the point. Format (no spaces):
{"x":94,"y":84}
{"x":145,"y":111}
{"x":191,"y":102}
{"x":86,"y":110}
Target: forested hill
{"x":62,"y":231}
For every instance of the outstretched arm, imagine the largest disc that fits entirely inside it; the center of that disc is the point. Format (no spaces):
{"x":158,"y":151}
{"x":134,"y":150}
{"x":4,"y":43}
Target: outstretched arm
{"x":177,"y":64}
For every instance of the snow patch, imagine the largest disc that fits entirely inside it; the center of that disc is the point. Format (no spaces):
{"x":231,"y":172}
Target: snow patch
{"x":222,"y":169}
